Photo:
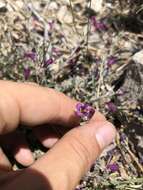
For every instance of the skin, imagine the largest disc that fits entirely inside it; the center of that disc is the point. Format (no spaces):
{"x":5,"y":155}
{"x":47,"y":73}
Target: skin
{"x":69,"y":157}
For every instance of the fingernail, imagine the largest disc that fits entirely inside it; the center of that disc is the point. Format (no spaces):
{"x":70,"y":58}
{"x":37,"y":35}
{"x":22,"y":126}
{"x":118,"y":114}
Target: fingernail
{"x":105,"y":134}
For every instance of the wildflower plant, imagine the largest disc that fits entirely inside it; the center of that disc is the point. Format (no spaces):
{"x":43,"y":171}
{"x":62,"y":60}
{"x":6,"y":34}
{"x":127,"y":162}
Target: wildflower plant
{"x":69,"y":46}
{"x":84,"y":111}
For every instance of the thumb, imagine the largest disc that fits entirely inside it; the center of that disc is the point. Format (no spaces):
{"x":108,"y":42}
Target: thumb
{"x":65,"y":164}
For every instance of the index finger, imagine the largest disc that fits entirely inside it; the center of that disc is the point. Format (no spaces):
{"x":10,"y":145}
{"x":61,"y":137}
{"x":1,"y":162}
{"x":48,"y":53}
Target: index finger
{"x":33,"y":105}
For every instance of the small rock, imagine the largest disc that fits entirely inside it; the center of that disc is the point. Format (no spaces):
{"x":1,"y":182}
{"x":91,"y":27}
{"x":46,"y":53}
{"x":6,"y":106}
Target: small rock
{"x":2,"y":4}
{"x":53,"y":6}
{"x":20,"y":4}
{"x":3,"y":7}
{"x":64,"y":15}
{"x":138,"y":57}
{"x":97,"y":5}
{"x":128,"y":45}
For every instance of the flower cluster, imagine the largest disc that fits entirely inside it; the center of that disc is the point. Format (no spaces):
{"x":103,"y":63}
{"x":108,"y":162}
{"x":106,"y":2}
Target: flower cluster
{"x":84,"y":111}
{"x":98,"y":25}
{"x":111,"y":107}
{"x":27,"y":72}
{"x":31,"y":55}
{"x":48,"y":62}
{"x":113,"y":167}
{"x":111,"y":61}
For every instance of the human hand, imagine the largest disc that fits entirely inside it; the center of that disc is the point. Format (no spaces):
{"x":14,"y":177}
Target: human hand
{"x":67,"y":161}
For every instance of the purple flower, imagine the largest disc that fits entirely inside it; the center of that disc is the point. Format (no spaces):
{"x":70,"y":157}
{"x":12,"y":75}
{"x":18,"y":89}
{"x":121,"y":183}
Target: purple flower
{"x":26,"y":72}
{"x":30,"y":55}
{"x":48,"y":62}
{"x":72,"y":61}
{"x":113,"y":167}
{"x":123,"y":137}
{"x":96,"y":73}
{"x":111,"y":107}
{"x":77,"y":49}
{"x":56,"y":52}
{"x":141,"y":160}
{"x":111,"y":61}
{"x":84,"y":111}
{"x":98,"y":25}
{"x":120,"y":92}
{"x":51,"y":25}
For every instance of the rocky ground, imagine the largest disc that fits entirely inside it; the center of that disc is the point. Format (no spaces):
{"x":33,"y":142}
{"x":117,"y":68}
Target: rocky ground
{"x":92,"y":51}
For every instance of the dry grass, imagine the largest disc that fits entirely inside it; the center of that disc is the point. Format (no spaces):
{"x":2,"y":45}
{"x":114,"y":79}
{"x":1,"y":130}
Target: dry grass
{"x":80,"y":51}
